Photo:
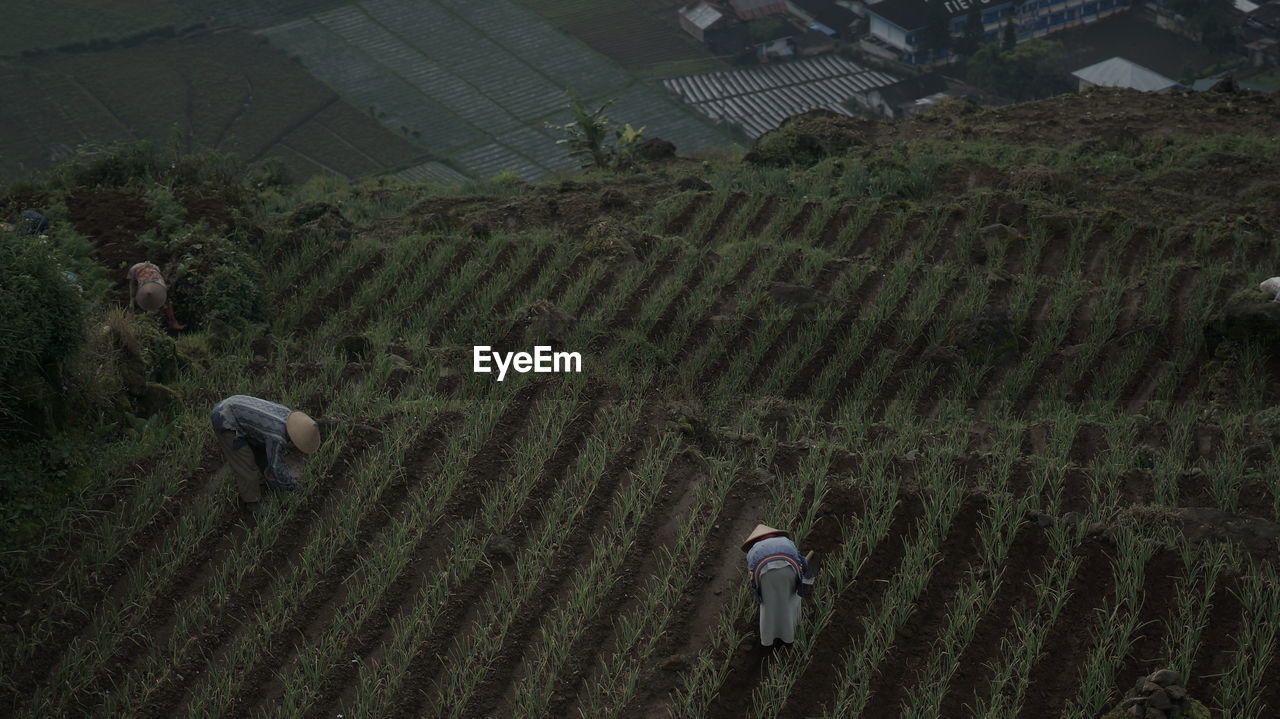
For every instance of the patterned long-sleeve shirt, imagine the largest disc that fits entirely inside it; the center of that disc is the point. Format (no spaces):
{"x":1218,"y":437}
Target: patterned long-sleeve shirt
{"x":259,"y":423}
{"x":778,"y":548}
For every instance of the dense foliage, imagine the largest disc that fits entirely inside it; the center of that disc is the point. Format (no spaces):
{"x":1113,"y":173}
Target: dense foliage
{"x":43,"y":324}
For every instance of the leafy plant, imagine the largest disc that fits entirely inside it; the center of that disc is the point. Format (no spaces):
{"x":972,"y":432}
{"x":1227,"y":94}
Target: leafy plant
{"x":589,"y":136}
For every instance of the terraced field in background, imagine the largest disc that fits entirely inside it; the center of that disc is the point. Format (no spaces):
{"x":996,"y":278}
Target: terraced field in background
{"x":643,"y":36}
{"x":476,"y":83}
{"x":224,"y":91}
{"x":988,"y":406}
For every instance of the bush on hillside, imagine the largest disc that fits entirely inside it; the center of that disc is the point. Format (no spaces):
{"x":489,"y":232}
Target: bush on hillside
{"x":214,"y":279}
{"x":42,"y":324}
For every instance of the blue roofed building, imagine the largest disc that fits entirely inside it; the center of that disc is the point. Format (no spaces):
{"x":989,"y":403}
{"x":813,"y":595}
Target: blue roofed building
{"x":897,"y":26}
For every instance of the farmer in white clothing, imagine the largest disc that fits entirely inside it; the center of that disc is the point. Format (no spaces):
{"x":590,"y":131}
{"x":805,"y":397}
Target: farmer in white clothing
{"x":779,"y":579}
{"x":1272,"y":287}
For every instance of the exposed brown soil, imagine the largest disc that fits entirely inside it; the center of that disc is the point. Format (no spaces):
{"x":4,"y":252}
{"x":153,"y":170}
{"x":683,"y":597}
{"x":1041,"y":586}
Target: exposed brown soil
{"x":592,"y":229}
{"x":112,"y":220}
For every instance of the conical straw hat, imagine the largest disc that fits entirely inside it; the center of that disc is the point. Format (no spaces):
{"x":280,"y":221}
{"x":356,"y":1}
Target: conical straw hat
{"x":303,"y":432}
{"x":762,"y":530}
{"x":151,"y":296}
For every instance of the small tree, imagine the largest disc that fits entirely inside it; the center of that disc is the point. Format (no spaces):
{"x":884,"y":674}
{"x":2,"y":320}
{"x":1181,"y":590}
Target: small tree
{"x":1010,"y":38}
{"x":588,"y":135}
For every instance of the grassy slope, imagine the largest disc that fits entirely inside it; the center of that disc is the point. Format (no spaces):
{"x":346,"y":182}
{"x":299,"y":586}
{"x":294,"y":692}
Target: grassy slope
{"x":1131,"y":218}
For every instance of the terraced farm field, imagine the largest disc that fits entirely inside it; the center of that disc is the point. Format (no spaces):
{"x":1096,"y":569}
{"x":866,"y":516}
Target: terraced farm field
{"x":964,"y":362}
{"x":477,"y":83}
{"x":224,"y":91}
{"x":641,"y":35}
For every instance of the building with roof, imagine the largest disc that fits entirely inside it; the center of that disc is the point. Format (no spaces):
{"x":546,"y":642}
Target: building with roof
{"x":825,"y":15}
{"x":1208,"y":83}
{"x":1264,"y":52}
{"x":898,"y":100}
{"x":813,"y":42}
{"x":757,"y":99}
{"x":897,"y":27}
{"x":700,"y":17}
{"x":920,"y":92}
{"x":1119,"y":72}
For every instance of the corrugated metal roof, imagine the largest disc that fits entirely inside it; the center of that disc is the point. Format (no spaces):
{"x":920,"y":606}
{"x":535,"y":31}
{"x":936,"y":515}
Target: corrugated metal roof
{"x":702,"y":15}
{"x":1119,"y":72}
{"x":759,"y":98}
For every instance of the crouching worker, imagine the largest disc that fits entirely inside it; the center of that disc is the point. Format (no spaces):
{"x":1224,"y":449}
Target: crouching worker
{"x":148,"y":291}
{"x":248,"y":426}
{"x":779,"y":577}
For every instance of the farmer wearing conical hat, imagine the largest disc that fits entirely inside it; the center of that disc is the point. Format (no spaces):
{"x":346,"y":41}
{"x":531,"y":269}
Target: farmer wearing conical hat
{"x":247,"y":428}
{"x":779,"y":579}
{"x":148,"y":291}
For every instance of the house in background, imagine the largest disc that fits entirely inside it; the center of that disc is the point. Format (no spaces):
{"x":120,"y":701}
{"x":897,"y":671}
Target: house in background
{"x":914,"y":94}
{"x":898,"y":26}
{"x":1260,"y":33}
{"x":900,"y":98}
{"x":1119,"y":72}
{"x":699,"y":18}
{"x":1207,"y":83}
{"x":1264,"y":52}
{"x":825,"y":15}
{"x":813,"y":42}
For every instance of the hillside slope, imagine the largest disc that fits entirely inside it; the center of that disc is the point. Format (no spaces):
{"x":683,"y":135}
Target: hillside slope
{"x":962,"y":357}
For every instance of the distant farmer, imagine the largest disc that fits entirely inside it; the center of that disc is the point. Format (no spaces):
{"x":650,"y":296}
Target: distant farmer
{"x":148,"y":291}
{"x":779,"y":577}
{"x":1272,"y":287}
{"x":256,"y":437}
{"x":31,"y":222}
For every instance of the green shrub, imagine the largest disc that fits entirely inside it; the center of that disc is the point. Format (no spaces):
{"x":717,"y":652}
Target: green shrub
{"x":214,"y":279}
{"x":231,"y":294}
{"x":113,"y":165}
{"x":44,"y":313}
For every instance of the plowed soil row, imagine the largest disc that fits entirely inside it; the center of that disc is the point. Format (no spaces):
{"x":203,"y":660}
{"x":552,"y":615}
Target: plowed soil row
{"x":263,"y":684}
{"x":109,"y":582}
{"x":209,"y":645}
{"x":338,"y":296}
{"x":409,"y":703}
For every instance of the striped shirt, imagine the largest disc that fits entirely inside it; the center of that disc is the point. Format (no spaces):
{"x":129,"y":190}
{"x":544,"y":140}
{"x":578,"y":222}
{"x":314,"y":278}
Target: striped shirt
{"x":259,"y":423}
{"x":771,"y":548}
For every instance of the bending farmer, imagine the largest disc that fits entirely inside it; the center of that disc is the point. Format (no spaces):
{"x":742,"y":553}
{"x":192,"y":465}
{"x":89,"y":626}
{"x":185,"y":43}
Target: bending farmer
{"x":248,"y":426}
{"x":148,"y":290}
{"x":779,"y":579}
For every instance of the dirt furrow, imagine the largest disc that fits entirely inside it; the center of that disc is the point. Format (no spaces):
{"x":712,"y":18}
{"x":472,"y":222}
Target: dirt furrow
{"x":900,"y":669}
{"x":723,"y":219}
{"x":338,"y":296}
{"x":489,"y":464}
{"x":681,"y":222}
{"x":1217,"y":652}
{"x":1021,"y":569}
{"x":495,"y":268}
{"x":110,"y":585}
{"x":763,"y":216}
{"x":862,"y":297}
{"x":657,"y":535}
{"x":212,"y":641}
{"x":494,"y":696}
{"x":1054,"y":679}
{"x":263,"y":686}
{"x":1163,"y":575}
{"x":816,"y":687}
